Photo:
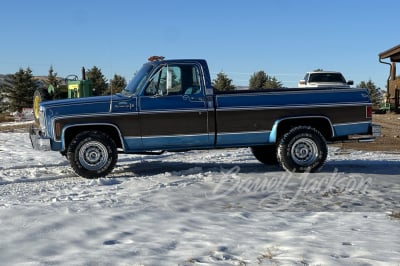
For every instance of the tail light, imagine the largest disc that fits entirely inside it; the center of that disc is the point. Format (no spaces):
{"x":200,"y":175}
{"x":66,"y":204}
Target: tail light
{"x":369,"y":111}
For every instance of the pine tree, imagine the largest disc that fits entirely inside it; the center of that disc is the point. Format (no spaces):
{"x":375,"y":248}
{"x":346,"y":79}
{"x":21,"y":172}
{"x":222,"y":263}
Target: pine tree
{"x":52,"y":78}
{"x":260,"y":80}
{"x":4,"y":102}
{"x":98,"y":80}
{"x":53,"y":81}
{"x":117,"y":83}
{"x":257,"y":80}
{"x":20,"y":91}
{"x":272,"y":83}
{"x":223,"y":83}
{"x":375,"y":93}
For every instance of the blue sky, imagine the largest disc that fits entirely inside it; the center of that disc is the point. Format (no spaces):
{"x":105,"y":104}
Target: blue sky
{"x":284,"y":38}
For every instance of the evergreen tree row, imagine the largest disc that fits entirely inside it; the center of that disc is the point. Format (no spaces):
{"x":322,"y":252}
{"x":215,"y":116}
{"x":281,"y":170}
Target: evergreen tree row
{"x":259,"y":80}
{"x":17,"y":92}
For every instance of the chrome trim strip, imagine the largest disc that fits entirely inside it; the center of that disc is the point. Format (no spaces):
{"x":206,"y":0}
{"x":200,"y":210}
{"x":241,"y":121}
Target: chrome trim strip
{"x":249,"y":107}
{"x":54,"y":118}
{"x":353,"y":123}
{"x":294,"y":91}
{"x":244,"y":132}
{"x":173,"y":111}
{"x":73,"y":103}
{"x":171,"y":136}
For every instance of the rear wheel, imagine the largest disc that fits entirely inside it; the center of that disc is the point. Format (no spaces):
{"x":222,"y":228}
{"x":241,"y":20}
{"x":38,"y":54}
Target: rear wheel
{"x":265,"y":154}
{"x":302,"y":149}
{"x":92,"y":154}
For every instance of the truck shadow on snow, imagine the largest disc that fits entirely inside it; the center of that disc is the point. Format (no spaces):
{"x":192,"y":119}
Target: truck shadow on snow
{"x":383,"y":167}
{"x":156,"y":167}
{"x":188,"y":168}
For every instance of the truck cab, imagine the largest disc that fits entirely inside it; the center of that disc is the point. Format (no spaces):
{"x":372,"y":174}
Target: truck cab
{"x":324,"y":79}
{"x":175,"y":106}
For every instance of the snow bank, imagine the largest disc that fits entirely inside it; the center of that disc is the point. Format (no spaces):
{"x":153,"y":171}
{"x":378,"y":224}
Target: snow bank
{"x":197,"y":208}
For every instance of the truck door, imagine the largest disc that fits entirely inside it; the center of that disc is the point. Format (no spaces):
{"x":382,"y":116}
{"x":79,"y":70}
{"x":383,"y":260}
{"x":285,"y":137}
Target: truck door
{"x":173,"y":111}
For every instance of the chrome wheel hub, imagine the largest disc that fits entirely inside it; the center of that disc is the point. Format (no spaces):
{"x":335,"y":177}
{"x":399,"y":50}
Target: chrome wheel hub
{"x":93,"y":155}
{"x":304,"y":151}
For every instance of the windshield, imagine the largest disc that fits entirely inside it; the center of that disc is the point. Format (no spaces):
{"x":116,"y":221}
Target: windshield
{"x":138,"y":80}
{"x":327,"y":77}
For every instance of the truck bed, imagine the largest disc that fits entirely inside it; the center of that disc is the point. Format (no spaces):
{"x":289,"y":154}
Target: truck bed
{"x":253,"y":113}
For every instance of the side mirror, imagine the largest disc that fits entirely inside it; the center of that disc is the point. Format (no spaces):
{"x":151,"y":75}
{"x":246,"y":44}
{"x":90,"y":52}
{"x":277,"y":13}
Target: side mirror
{"x":350,"y":82}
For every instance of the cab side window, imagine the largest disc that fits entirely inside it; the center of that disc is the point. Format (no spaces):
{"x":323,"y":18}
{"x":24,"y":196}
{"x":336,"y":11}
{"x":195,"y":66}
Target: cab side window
{"x":181,"y":79}
{"x":167,"y":81}
{"x":191,"y":80}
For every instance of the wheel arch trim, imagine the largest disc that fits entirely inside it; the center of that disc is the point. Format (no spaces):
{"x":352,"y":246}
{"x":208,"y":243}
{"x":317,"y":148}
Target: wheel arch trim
{"x":67,"y":127}
{"x":273,"y":137}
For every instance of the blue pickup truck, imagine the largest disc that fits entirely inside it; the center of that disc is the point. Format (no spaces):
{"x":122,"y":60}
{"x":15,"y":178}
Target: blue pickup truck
{"x":170,"y":105}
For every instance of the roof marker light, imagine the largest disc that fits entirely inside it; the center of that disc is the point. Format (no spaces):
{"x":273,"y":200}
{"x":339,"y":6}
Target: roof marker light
{"x":155,"y":58}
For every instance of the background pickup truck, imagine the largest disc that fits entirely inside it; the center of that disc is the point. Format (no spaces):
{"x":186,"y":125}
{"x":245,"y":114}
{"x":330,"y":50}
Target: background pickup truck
{"x":319,"y":79}
{"x":170,"y":105}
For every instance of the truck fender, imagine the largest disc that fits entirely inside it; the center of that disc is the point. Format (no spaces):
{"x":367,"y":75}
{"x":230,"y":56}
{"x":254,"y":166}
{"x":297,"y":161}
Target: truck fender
{"x":90,"y":126}
{"x":300,"y":120}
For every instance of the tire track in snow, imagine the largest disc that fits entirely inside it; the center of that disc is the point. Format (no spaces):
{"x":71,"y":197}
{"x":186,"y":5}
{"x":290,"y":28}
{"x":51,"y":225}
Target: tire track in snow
{"x":15,"y":167}
{"x":34,"y":173}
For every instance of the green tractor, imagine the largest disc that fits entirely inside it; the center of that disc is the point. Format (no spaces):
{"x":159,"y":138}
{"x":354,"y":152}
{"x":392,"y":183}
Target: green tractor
{"x":72,"y":87}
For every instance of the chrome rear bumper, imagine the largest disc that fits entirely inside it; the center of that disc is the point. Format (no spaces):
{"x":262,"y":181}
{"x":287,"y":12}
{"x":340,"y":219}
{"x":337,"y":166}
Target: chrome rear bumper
{"x":374,"y":131}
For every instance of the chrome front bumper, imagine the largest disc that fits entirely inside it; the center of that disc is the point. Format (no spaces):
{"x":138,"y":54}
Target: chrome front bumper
{"x":39,"y":142}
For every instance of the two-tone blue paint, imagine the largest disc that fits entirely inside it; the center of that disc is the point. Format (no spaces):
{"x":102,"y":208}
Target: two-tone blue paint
{"x":293,"y":98}
{"x":215,"y":115}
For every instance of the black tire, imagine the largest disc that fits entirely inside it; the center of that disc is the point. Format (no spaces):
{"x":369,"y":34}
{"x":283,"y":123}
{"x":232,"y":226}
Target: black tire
{"x":302,"y":149}
{"x":40,"y":95}
{"x":265,"y":154}
{"x":92,"y":154}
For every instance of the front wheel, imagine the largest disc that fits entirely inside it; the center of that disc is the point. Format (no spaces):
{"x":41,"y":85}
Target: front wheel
{"x":302,"y":149}
{"x":92,"y":154}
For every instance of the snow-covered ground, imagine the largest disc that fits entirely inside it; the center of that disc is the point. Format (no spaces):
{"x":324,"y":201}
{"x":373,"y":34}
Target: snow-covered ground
{"x":197,"y":208}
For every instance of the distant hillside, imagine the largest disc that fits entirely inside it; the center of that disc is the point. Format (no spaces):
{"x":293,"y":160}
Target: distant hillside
{"x":4,"y":78}
{"x":41,"y":80}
